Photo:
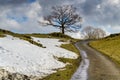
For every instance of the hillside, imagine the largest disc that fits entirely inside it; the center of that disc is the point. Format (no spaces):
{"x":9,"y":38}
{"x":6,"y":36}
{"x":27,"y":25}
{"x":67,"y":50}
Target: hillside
{"x":109,"y":46}
{"x":32,"y":56}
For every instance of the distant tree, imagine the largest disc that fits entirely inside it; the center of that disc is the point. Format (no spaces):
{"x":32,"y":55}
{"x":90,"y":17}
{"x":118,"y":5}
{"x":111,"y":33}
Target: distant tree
{"x":88,"y":32}
{"x":93,"y":33}
{"x":99,"y":33}
{"x":64,"y":17}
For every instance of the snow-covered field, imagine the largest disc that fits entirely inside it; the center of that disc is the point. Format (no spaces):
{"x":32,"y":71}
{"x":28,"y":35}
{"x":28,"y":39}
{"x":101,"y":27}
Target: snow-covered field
{"x":20,"y":56}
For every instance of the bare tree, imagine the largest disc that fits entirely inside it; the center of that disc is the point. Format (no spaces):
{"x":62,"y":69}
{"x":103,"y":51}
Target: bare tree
{"x":93,"y":33}
{"x":88,"y":32}
{"x":99,"y":33}
{"x":64,"y":17}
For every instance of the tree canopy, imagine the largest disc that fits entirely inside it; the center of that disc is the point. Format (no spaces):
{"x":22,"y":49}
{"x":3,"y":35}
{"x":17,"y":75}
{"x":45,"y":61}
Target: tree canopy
{"x":64,"y":17}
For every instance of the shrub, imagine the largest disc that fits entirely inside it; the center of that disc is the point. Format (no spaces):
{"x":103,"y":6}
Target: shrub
{"x":59,"y":35}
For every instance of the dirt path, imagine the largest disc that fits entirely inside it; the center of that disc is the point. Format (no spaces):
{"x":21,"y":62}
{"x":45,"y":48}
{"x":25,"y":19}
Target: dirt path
{"x":100,"y":67}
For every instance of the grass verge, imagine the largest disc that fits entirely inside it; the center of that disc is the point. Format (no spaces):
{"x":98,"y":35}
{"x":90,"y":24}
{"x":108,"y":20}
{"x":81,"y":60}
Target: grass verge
{"x":109,"y":46}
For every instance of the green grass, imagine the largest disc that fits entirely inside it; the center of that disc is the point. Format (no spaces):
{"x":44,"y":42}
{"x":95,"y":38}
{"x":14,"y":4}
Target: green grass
{"x":21,"y":36}
{"x":39,"y":35}
{"x":70,"y":47}
{"x":69,"y":69}
{"x":50,"y":35}
{"x":109,"y":46}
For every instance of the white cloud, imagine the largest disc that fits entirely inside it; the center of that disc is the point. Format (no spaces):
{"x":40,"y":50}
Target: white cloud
{"x":94,"y":12}
{"x":13,"y":23}
{"x":30,"y":11}
{"x":114,"y":2}
{"x":116,"y":29}
{"x":33,"y":10}
{"x":9,"y":24}
{"x":99,"y":6}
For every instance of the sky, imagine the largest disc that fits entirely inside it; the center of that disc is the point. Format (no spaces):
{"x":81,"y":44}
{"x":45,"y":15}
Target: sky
{"x":22,"y":16}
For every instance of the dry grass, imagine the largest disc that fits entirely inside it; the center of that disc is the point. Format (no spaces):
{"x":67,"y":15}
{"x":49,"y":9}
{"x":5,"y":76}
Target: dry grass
{"x":109,"y":46}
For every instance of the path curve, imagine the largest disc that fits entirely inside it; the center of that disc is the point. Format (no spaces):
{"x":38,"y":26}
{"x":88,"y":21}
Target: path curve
{"x":100,"y":67}
{"x":81,"y":73}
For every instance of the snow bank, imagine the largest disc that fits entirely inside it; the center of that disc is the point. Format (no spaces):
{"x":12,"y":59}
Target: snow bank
{"x":23,"y":57}
{"x":53,"y":46}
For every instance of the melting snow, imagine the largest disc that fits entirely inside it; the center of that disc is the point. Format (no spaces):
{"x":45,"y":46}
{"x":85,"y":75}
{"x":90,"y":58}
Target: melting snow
{"x":20,"y":56}
{"x":81,"y":73}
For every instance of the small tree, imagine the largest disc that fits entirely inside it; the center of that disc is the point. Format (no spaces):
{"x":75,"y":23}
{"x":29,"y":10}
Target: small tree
{"x":93,"y":33}
{"x":99,"y":33}
{"x":64,"y":17}
{"x":88,"y":32}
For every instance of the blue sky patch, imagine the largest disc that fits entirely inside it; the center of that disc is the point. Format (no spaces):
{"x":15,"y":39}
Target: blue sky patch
{"x":31,"y":1}
{"x":18,"y":19}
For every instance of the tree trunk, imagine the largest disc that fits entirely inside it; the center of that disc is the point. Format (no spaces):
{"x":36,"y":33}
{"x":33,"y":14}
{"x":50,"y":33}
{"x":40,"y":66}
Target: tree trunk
{"x":63,"y":30}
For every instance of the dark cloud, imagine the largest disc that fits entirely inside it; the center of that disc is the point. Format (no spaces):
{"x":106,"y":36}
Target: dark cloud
{"x":89,"y":6}
{"x":101,"y":12}
{"x":47,"y":4}
{"x":110,"y":15}
{"x":94,"y":11}
{"x":12,"y":2}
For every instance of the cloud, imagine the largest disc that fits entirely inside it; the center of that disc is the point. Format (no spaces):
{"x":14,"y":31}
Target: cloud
{"x":106,"y":14}
{"x":22,"y":15}
{"x":21,"y":18}
{"x":97,"y":12}
{"x":14,"y":2}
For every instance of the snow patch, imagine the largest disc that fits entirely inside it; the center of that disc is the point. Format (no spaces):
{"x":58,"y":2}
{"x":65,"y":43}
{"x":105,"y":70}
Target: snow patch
{"x":20,"y":56}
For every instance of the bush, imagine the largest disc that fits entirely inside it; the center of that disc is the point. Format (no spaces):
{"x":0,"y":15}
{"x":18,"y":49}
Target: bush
{"x":59,"y":35}
{"x":5,"y":31}
{"x":29,"y":37}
